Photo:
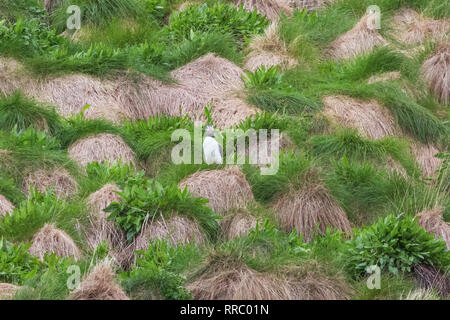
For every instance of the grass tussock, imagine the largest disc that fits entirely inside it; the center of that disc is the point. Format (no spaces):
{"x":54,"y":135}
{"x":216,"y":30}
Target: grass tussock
{"x":432,"y":221}
{"x":269,"y":8}
{"x":436,"y":71}
{"x":310,"y":211}
{"x":225,"y":189}
{"x":101,"y":148}
{"x":432,"y":279}
{"x":7,"y":291}
{"x":99,"y":284}
{"x":50,"y":240}
{"x":62,"y":183}
{"x":237,"y":225}
{"x":6,"y":207}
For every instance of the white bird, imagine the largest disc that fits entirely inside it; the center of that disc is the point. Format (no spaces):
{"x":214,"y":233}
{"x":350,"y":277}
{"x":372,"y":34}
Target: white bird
{"x":212,"y":150}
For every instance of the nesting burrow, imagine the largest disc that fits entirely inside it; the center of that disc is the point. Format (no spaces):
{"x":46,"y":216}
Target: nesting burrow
{"x":225,"y":280}
{"x":412,"y":28}
{"x":268,"y":50}
{"x":432,"y":221}
{"x":100,"y":148}
{"x":432,"y":279}
{"x":361,"y":39}
{"x":368,"y":117}
{"x":425,"y":155}
{"x":99,"y":284}
{"x":50,"y":240}
{"x":60,"y":180}
{"x":6,"y":207}
{"x":225,"y":189}
{"x":8,"y":291}
{"x":101,"y":228}
{"x":237,"y":225}
{"x":269,"y":8}
{"x":309,"y":208}
{"x":176,"y":230}
{"x":436,"y":72}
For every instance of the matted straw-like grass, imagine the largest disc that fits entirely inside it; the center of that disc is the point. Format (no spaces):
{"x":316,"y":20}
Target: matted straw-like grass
{"x":420,"y":294}
{"x":425,"y":157}
{"x":270,"y":8}
{"x":99,"y":284}
{"x":225,"y":189}
{"x":228,"y":279}
{"x":436,"y":71}
{"x":368,"y":117}
{"x":60,"y":180}
{"x":176,"y":230}
{"x":6,"y":207}
{"x":50,"y":240}
{"x":384,"y":77}
{"x":100,"y":148}
{"x":231,"y":111}
{"x":310,"y":208}
{"x":430,"y":278}
{"x":411,"y":28}
{"x":237,"y":225}
{"x":361,"y":39}
{"x":101,"y":228}
{"x":213,"y":74}
{"x":432,"y":221}
{"x":7,"y":291}
{"x":268,"y":50}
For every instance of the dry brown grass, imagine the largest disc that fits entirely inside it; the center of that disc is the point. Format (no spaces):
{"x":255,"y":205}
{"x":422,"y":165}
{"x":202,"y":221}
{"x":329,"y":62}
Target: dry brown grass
{"x":268,"y":50}
{"x":425,"y":157}
{"x":270,"y":8}
{"x":7,"y":291}
{"x":412,"y":28}
{"x":209,"y":79}
{"x":225,"y":189}
{"x":49,"y":5}
{"x":311,"y":206}
{"x":420,"y":294}
{"x":430,"y":278}
{"x":237,"y":225}
{"x":360,"y":39}
{"x":230,"y":112}
{"x":384,"y":77}
{"x":176,"y":230}
{"x":228,"y":279}
{"x":368,"y":117}
{"x":308,"y":4}
{"x":101,"y":228}
{"x":61,"y":181}
{"x":100,"y":148}
{"x":432,"y":221}
{"x":6,"y":207}
{"x":49,"y":239}
{"x":436,"y":72}
{"x":99,"y":284}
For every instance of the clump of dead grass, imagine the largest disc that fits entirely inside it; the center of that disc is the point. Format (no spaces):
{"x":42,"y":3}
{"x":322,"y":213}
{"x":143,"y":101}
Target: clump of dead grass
{"x":237,"y":225}
{"x":225,"y":189}
{"x":99,"y":284}
{"x":425,"y":157}
{"x":101,"y":228}
{"x":436,"y":71}
{"x":7,"y":291}
{"x":270,"y":8}
{"x":60,"y":180}
{"x":102,"y":147}
{"x":420,"y":294}
{"x":310,"y":208}
{"x":361,"y":39}
{"x":370,"y":118}
{"x":430,"y":278}
{"x":384,"y":77}
{"x":6,"y":207}
{"x":413,"y":28}
{"x":432,"y":221}
{"x":268,"y":50}
{"x":50,"y":240}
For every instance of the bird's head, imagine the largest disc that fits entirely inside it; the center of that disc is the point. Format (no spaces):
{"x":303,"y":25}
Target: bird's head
{"x":209,"y":131}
